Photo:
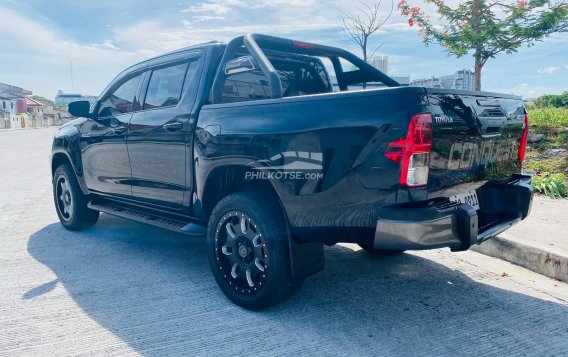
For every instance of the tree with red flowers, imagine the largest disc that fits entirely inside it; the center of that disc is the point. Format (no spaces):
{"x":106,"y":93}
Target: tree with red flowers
{"x":487,"y":28}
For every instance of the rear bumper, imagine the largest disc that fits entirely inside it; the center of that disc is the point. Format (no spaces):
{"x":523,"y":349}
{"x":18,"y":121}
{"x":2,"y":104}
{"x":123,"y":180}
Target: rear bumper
{"x":455,"y":226}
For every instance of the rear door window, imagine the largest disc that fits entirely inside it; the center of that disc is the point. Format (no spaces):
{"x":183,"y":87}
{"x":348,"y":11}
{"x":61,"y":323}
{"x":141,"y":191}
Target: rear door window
{"x":165,"y":86}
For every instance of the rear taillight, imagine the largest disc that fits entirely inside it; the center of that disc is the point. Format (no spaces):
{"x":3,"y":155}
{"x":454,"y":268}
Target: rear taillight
{"x":523,"y":146}
{"x":413,"y":151}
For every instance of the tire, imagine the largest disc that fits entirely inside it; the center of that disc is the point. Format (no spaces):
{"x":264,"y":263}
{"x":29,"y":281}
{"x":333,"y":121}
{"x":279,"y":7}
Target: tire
{"x":382,"y":252}
{"x":248,"y":250}
{"x":70,"y":202}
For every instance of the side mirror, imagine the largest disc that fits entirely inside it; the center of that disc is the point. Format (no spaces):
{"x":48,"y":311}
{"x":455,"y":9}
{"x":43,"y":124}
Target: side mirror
{"x":79,"y":108}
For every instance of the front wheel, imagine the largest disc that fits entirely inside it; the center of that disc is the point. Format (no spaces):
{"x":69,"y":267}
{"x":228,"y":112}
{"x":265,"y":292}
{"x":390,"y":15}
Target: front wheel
{"x":248,"y":250}
{"x":70,"y":202}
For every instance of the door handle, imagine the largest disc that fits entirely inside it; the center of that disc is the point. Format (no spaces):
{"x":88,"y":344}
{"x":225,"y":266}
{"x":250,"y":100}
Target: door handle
{"x":173,"y":126}
{"x":119,"y":130}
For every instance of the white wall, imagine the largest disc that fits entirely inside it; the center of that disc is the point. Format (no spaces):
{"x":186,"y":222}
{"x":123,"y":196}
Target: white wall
{"x":10,"y":107}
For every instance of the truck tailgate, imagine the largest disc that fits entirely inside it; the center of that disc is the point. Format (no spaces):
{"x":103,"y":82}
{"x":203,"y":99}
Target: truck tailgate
{"x":476,"y":138}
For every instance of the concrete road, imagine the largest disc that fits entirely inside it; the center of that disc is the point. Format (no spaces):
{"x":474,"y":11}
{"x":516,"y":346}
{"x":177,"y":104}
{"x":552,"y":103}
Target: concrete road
{"x":123,"y":288}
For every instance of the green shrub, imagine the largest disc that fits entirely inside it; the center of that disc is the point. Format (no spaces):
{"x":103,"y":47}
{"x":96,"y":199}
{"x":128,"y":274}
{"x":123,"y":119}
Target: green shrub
{"x":552,"y":100}
{"x":552,"y":185}
{"x":548,"y":117}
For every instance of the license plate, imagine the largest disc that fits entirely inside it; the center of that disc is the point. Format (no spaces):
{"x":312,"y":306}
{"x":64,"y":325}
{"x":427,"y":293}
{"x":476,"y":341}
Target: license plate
{"x":469,"y":197}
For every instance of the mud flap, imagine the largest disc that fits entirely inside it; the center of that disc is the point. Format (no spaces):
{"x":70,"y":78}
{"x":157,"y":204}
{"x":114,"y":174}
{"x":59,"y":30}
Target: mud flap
{"x":306,"y":258}
{"x":467,"y":227}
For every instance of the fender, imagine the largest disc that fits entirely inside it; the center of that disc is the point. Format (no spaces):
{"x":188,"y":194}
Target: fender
{"x":66,"y":149}
{"x":218,"y":178}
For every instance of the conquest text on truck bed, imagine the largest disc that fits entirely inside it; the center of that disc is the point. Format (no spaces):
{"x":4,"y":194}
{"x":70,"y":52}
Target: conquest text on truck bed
{"x":253,"y":145}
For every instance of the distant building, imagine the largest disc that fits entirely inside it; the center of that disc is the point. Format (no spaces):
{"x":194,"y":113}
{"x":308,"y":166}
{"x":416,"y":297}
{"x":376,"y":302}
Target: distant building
{"x":462,"y":79}
{"x":34,"y":111}
{"x":52,"y":114}
{"x":381,"y":63}
{"x":17,"y":91}
{"x":433,"y":82}
{"x":66,"y":98}
{"x":19,"y":110}
{"x":13,"y":107}
{"x":8,"y":112}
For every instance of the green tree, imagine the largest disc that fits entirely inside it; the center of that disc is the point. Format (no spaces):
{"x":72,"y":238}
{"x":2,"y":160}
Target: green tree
{"x":487,"y":28}
{"x":42,"y":99}
{"x":552,"y":100}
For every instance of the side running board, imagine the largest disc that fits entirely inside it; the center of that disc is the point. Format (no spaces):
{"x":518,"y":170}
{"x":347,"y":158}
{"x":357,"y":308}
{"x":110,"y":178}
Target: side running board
{"x":173,"y":224}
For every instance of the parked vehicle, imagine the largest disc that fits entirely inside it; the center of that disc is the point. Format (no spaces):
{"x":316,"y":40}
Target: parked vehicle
{"x":254,"y":146}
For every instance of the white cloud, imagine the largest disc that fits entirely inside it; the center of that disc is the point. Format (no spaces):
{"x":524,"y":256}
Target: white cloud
{"x":527,"y":90}
{"x":281,"y":16}
{"x":40,"y":57}
{"x":217,"y":9}
{"x":225,"y":19}
{"x":147,"y":37}
{"x":548,"y":70}
{"x":203,"y":18}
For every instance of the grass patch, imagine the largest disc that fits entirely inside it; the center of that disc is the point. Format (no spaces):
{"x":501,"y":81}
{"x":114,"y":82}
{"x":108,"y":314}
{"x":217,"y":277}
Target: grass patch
{"x":539,"y":163}
{"x":548,"y":117}
{"x":552,"y":185}
{"x":555,"y":138}
{"x":551,"y":171}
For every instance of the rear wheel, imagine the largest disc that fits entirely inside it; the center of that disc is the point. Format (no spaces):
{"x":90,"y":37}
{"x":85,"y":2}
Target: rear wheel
{"x":248,"y":251}
{"x":70,"y":202}
{"x":382,"y":252}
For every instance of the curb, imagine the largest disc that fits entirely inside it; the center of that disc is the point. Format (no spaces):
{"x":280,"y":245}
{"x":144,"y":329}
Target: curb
{"x":532,"y":258}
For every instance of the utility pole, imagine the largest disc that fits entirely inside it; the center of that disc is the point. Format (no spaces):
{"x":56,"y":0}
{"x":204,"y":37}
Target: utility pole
{"x":71,"y":74}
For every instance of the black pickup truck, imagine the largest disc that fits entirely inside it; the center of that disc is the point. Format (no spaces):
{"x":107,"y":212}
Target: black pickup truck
{"x":252,"y":145}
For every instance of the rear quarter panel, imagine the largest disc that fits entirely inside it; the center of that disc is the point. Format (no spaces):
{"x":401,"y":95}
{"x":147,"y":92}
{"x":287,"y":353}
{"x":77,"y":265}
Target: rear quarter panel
{"x":341,"y":136}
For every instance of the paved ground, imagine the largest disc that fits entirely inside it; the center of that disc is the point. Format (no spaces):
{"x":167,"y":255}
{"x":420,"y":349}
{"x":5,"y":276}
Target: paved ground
{"x":539,"y":243}
{"x":548,"y":222}
{"x":125,"y":288}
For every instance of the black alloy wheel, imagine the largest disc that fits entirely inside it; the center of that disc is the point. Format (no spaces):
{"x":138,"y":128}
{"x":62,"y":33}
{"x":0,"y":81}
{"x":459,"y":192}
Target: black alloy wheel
{"x":63,"y":198}
{"x":241,"y":252}
{"x":248,"y":250}
{"x":70,"y":202}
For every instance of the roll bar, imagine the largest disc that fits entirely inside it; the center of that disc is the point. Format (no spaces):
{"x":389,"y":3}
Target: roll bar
{"x":254,"y":43}
{"x":274,"y":81}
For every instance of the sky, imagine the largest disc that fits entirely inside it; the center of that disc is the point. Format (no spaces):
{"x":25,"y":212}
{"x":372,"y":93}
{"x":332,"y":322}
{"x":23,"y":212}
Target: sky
{"x":81,"y":45}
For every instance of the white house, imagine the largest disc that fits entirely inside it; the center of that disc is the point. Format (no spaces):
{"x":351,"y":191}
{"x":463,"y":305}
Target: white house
{"x":8,"y":112}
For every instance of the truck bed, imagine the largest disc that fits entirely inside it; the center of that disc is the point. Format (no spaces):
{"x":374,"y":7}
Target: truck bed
{"x":350,"y":131}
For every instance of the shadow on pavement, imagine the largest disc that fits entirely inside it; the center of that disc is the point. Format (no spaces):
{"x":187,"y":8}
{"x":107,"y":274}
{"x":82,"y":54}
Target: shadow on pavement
{"x":153,"y":290}
{"x":40,"y":290}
